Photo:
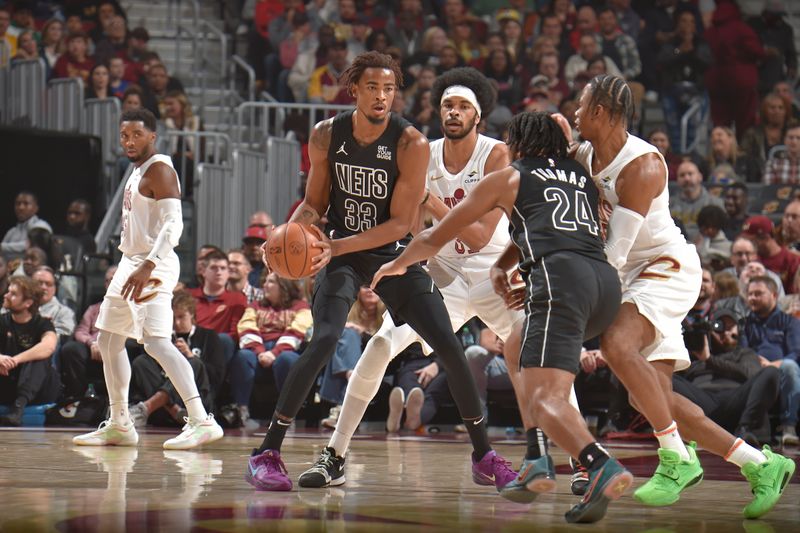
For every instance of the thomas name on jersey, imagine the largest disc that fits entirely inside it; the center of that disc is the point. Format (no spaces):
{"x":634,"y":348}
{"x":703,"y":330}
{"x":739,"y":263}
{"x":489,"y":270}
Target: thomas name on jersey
{"x":546,"y":174}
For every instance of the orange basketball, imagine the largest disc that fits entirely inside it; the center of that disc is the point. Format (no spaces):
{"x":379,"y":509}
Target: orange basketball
{"x":290,"y":250}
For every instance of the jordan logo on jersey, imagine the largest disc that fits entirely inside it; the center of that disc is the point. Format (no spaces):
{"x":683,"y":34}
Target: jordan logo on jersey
{"x":384,"y":153}
{"x":341,"y":150}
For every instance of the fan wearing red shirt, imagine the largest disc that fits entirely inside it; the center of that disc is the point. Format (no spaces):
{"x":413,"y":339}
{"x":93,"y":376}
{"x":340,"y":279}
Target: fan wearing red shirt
{"x":218,"y":308}
{"x":773,"y":256}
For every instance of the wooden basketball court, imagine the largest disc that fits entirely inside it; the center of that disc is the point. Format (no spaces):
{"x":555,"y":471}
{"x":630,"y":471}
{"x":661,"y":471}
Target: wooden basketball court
{"x":405,"y":483}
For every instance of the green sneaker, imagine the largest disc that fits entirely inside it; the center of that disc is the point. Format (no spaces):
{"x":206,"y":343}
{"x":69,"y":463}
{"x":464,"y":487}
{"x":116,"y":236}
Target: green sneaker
{"x":671,"y":477}
{"x":607,"y":483}
{"x":767,"y":482}
{"x":535,"y":476}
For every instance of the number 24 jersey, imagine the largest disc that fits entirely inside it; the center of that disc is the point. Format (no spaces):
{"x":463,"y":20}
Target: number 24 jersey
{"x":555,"y":210}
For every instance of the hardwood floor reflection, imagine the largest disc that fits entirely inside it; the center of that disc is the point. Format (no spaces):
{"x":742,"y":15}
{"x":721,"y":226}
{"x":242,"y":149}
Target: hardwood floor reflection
{"x":405,"y":483}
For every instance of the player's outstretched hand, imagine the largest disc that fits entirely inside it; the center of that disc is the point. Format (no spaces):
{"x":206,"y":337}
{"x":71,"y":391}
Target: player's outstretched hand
{"x":137,"y":281}
{"x":324,"y":243}
{"x":388,"y":269}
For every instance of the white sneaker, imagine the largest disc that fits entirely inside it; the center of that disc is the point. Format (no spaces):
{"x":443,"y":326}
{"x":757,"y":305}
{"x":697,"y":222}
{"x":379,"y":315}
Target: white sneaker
{"x":138,"y":413}
{"x":333,"y":417}
{"x":789,"y":437}
{"x":195,"y":433}
{"x":414,"y":408}
{"x":397,"y":400}
{"x":109,"y":434}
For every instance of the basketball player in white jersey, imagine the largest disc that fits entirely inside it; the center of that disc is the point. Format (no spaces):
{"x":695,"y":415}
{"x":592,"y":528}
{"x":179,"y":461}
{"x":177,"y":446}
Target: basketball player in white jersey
{"x":457,"y":163}
{"x":661,"y":278}
{"x":138,"y":302}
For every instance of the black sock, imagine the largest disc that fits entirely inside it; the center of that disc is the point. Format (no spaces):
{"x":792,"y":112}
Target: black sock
{"x":593,"y":456}
{"x":537,"y":443}
{"x":479,"y":438}
{"x":275,"y":434}
{"x":20,"y":403}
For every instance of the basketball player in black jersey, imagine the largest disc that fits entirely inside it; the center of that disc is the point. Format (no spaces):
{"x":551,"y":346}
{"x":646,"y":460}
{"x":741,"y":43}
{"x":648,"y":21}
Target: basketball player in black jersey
{"x":572,"y":294}
{"x":368,"y":170}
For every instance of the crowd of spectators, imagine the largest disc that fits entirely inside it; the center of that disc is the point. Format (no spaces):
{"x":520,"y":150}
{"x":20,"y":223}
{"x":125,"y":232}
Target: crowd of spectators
{"x":91,"y":40}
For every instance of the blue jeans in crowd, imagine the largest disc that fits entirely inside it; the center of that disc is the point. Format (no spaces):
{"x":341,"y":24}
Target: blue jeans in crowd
{"x":790,"y":392}
{"x":244,"y":366}
{"x":348,"y":351}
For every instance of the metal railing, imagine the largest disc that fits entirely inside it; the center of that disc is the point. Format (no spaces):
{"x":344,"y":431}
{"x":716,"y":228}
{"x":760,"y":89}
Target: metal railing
{"x":111,"y":219}
{"x":101,"y":118}
{"x":203,"y":62}
{"x":696,"y":115}
{"x":175,"y":13}
{"x":213,"y":200}
{"x":238,"y":63}
{"x":266,"y":119}
{"x":249,"y":185}
{"x":27,"y":93}
{"x":283,"y":171}
{"x":65,"y":104}
{"x":207,"y":147}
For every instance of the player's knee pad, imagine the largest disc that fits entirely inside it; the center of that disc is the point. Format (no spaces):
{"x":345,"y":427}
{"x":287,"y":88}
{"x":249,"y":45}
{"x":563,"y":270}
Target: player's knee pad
{"x":368,"y":373}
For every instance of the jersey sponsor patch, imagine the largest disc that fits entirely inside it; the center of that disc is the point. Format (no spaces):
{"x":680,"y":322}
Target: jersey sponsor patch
{"x":384,"y":153}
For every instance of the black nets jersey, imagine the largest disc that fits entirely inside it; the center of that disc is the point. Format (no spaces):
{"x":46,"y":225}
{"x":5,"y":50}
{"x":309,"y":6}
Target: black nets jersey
{"x":555,"y":210}
{"x":362,"y":177}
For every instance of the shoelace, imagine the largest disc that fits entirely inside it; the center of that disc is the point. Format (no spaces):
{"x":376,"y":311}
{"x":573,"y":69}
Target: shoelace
{"x":325,"y":459}
{"x":274,"y":464}
{"x":104,"y":424}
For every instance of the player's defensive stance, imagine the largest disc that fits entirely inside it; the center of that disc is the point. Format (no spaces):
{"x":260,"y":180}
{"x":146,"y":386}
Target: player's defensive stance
{"x":661,"y":279}
{"x":138,"y":302}
{"x":572,"y":293}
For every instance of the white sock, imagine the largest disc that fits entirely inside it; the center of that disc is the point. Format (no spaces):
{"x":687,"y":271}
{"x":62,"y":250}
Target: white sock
{"x":670,"y":439}
{"x":117,"y":373}
{"x":179,"y":372}
{"x":742,"y":453}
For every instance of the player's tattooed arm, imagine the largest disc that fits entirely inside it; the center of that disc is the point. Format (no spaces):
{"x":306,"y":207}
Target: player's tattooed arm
{"x":318,"y":187}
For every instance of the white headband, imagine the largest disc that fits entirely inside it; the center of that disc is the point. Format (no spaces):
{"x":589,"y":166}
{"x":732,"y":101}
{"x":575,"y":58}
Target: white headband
{"x":464,"y":92}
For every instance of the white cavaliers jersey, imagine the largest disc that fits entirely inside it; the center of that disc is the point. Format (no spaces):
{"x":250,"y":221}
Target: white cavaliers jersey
{"x":658,"y":231}
{"x":453,"y":188}
{"x":140,"y":217}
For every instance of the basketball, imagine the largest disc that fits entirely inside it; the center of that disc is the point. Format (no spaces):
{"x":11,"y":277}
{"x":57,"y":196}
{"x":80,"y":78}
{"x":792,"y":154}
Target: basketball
{"x":290,"y":250}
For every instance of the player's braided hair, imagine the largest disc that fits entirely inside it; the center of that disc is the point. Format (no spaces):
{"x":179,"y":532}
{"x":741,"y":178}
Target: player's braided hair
{"x":470,"y":78}
{"x":373,"y":59}
{"x":613,"y":93}
{"x":536,"y":135}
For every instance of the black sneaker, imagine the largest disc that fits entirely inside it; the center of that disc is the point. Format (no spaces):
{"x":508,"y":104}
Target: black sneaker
{"x":327,"y":471}
{"x":580,"y":478}
{"x":13,"y":418}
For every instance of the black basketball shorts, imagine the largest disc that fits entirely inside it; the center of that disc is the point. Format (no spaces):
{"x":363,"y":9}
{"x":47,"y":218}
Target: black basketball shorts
{"x":571,"y":298}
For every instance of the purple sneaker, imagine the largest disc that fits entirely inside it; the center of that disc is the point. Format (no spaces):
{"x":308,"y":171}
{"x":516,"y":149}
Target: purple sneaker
{"x":492,"y":470}
{"x":266,"y":471}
